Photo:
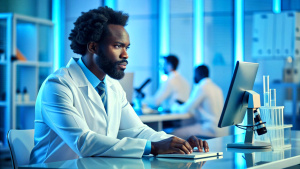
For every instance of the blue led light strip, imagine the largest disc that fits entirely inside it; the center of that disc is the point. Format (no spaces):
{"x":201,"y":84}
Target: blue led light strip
{"x":276,"y":6}
{"x":164,"y":34}
{"x":110,"y":3}
{"x":198,"y":32}
{"x":239,"y":31}
{"x":56,"y":19}
{"x":238,"y":56}
{"x":238,"y":37}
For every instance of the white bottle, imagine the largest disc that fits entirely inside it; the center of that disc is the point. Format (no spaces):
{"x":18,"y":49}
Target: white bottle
{"x":19,"y":96}
{"x":25,"y":95}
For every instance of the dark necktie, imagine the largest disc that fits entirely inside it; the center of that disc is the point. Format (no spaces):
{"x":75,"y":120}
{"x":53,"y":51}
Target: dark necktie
{"x":101,"y":91}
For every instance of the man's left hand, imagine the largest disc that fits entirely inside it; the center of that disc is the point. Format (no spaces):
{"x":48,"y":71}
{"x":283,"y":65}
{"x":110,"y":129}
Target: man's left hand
{"x":196,"y":142}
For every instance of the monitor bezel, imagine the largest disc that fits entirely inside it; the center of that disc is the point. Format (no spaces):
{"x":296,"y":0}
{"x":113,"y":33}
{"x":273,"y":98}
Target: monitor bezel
{"x":233,"y":80}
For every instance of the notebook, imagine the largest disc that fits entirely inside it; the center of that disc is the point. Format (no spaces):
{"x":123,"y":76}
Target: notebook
{"x":194,"y":155}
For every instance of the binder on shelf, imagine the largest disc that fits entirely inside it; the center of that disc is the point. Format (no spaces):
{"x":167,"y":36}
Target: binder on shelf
{"x":278,"y":34}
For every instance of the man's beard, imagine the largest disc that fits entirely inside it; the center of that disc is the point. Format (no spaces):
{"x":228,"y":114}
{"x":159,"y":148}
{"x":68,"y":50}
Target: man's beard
{"x":109,"y":67}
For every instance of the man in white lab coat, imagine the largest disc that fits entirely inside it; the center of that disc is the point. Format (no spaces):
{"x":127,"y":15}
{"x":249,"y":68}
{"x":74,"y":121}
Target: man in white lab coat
{"x":81,"y":110}
{"x":175,"y":89}
{"x":205,"y":104}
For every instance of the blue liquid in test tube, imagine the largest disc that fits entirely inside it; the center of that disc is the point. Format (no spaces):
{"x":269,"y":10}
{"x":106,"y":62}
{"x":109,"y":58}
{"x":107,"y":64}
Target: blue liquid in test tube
{"x":266,"y":91}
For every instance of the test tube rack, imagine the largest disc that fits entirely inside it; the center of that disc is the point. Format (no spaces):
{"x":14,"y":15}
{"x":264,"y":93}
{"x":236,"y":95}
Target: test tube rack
{"x":278,"y":134}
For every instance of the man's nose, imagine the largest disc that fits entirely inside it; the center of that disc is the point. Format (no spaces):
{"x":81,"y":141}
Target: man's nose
{"x":124,"y":54}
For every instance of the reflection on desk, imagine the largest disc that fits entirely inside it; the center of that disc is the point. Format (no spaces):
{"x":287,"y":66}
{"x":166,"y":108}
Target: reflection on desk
{"x":232,"y":158}
{"x":126,"y":163}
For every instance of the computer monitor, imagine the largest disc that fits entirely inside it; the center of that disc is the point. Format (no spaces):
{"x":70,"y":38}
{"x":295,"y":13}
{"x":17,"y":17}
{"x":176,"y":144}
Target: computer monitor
{"x":242,"y":80}
{"x":127,"y":84}
{"x":238,"y":100}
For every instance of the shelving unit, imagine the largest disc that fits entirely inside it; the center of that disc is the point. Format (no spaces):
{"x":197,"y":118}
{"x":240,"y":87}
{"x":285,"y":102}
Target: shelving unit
{"x":275,"y":39}
{"x":276,"y":35}
{"x":33,"y":37}
{"x":5,"y":76}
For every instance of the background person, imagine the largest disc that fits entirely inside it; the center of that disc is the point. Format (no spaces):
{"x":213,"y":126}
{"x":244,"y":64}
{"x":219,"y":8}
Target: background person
{"x":205,"y":104}
{"x":175,"y":89}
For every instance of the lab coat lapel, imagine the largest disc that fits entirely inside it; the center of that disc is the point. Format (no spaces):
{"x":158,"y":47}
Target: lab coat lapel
{"x":84,"y":85}
{"x":95,"y":97}
{"x":111,"y":98}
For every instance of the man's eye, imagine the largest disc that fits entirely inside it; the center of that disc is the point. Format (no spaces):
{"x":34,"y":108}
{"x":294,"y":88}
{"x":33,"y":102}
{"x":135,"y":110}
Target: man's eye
{"x":127,"y":48}
{"x":117,"y":46}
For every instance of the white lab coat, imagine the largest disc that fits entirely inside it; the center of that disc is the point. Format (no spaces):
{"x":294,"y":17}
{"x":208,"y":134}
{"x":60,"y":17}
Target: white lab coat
{"x":205,"y":104}
{"x":71,"y":122}
{"x":175,"y":88}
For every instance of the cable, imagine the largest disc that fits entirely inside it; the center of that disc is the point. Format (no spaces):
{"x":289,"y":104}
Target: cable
{"x":254,"y":127}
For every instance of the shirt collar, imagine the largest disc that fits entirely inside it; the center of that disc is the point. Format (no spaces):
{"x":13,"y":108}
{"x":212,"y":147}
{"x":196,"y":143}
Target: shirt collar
{"x":89,"y":75}
{"x":172,"y":73}
{"x":204,"y":80}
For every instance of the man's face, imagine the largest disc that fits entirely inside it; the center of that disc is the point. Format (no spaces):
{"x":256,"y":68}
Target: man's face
{"x":167,"y":67}
{"x":197,"y":77}
{"x":112,"y":54}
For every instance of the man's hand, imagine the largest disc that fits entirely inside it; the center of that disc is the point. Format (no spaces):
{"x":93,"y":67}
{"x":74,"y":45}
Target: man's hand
{"x":195,"y":142}
{"x":172,"y":145}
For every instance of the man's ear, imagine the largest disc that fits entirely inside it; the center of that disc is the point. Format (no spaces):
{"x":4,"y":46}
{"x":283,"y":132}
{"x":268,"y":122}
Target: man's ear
{"x":92,"y":47}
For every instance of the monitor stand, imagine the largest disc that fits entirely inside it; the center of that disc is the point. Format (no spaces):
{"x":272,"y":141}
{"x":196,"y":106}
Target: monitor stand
{"x":253,"y":103}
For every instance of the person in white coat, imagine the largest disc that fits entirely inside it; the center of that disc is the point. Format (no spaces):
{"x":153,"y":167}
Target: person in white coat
{"x":205,"y":104}
{"x":81,"y":110}
{"x":175,"y":89}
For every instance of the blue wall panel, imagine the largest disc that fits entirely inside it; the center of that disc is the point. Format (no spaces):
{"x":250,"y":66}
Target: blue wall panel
{"x":218,"y":45}
{"x":178,"y":7}
{"x":181,"y":44}
{"x":73,"y":9}
{"x":137,"y":7}
{"x":216,"y":6}
{"x":143,"y":53}
{"x":258,"y":5}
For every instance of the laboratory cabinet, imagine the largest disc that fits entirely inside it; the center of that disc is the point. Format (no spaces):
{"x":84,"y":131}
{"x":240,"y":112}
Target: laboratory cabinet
{"x":26,"y":59}
{"x":276,"y":35}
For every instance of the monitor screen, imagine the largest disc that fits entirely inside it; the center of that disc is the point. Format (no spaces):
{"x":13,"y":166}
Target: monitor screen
{"x":234,"y":108}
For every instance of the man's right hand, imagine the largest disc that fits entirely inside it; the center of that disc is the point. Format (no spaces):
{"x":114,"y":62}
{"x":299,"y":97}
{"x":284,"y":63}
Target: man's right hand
{"x":172,"y":145}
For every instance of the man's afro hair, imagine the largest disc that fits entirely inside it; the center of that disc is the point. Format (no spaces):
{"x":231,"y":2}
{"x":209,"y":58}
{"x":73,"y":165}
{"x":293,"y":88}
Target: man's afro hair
{"x":91,"y":26}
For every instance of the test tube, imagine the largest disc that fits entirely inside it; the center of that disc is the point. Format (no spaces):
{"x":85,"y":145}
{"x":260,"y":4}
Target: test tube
{"x":273,"y":97}
{"x":266,"y":91}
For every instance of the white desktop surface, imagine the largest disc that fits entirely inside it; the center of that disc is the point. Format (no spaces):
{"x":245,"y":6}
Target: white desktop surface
{"x":230,"y":160}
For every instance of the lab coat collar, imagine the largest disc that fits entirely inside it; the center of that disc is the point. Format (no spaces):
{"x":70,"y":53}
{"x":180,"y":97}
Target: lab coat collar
{"x":172,"y":74}
{"x":75,"y":70}
{"x":204,"y":80}
{"x":83,"y":83}
{"x":76,"y":73}
{"x":86,"y":87}
{"x":111,"y":97}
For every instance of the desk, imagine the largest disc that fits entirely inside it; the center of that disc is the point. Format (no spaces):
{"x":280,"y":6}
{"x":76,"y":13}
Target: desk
{"x":231,"y":159}
{"x":155,"y":121}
